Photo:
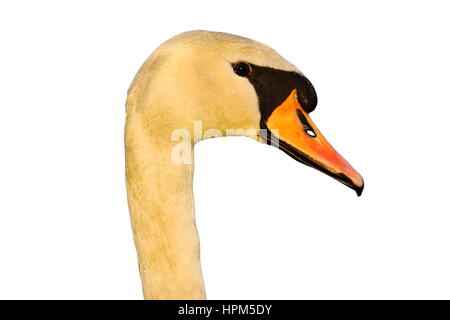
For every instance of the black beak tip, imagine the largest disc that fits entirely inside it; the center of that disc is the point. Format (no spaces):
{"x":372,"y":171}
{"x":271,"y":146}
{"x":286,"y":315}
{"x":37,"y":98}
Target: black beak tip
{"x":359,"y":190}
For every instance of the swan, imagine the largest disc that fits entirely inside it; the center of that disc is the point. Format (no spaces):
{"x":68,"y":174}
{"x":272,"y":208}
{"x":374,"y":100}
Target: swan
{"x":198,"y":85}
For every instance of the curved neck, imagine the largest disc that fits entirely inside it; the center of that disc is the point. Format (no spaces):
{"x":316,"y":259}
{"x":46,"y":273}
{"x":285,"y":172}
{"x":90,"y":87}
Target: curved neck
{"x":161,"y":204}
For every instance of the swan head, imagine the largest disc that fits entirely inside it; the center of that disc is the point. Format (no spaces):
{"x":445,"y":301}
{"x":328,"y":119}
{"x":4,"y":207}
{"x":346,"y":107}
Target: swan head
{"x":230,"y":85}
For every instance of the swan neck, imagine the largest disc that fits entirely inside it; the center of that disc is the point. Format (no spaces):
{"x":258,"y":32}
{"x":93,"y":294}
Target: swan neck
{"x":161,"y":204}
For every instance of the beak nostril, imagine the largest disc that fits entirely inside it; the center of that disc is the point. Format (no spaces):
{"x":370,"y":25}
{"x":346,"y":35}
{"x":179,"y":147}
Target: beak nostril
{"x":310,"y":133}
{"x":305,"y":124}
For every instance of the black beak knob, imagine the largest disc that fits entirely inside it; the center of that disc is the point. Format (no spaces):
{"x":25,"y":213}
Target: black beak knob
{"x":306,"y":94}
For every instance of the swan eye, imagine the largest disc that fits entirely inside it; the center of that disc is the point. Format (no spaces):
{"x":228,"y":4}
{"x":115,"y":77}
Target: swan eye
{"x":242,"y":69}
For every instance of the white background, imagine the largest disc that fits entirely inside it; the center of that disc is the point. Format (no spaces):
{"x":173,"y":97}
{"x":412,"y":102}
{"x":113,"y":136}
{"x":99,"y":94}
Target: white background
{"x":269,"y":226}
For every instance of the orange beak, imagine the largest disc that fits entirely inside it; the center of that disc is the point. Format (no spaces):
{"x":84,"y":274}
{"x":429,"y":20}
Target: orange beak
{"x":299,"y":137}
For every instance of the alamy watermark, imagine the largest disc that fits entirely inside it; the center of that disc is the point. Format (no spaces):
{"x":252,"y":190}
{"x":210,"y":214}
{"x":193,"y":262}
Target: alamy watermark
{"x":182,"y":151}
